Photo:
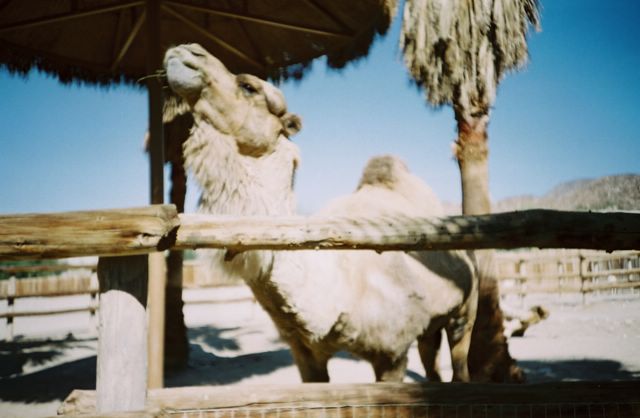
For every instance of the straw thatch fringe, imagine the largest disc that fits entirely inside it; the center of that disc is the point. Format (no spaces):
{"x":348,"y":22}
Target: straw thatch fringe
{"x":19,"y":54}
{"x":20,"y":60}
{"x":458,"y":50}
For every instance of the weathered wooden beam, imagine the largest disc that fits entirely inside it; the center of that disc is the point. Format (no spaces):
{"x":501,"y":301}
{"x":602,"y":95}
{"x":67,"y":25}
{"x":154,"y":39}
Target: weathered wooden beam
{"x":156,"y":313}
{"x":47,"y":268}
{"x":532,"y":228}
{"x":121,"y":377}
{"x":74,"y":234}
{"x":447,"y":400}
{"x":153,"y":228}
{"x":17,"y":314}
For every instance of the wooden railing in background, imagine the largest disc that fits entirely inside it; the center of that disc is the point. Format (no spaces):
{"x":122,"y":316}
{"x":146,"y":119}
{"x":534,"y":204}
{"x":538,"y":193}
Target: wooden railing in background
{"x":567,"y":272}
{"x":61,"y":279}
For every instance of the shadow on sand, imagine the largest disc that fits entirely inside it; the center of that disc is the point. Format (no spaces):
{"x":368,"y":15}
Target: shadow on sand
{"x":56,"y":382}
{"x":14,"y":355}
{"x":207,"y":368}
{"x":576,"y":370}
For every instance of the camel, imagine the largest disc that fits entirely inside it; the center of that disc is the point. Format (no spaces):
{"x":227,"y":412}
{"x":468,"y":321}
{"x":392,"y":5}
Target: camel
{"x":517,"y":321}
{"x":373,"y":305}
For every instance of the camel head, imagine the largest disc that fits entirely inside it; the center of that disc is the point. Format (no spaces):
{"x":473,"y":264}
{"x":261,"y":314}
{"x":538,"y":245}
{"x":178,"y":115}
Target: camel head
{"x":245,"y":107}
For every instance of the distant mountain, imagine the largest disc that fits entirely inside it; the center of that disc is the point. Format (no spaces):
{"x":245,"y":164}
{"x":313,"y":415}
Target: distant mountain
{"x":620,"y":192}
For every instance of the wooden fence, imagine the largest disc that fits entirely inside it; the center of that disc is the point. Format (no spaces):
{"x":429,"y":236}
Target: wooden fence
{"x":522,"y":274}
{"x":566,"y":272}
{"x":63,"y":279}
{"x":123,"y":238}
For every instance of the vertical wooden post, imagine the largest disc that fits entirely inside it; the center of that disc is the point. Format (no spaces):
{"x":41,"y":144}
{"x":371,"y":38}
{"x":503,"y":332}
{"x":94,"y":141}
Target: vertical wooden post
{"x":121,"y":382}
{"x":154,"y":87}
{"x":11,"y":292}
{"x":520,"y":281}
{"x":560,"y":277}
{"x":157,"y":271}
{"x":156,"y":307}
{"x":583,"y":277}
{"x":94,"y":285}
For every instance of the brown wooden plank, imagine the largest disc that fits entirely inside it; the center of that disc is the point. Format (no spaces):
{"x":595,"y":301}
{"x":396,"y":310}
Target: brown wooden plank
{"x":612,"y":272}
{"x":17,"y":314}
{"x":592,"y":287}
{"x":390,"y":399}
{"x":532,"y":228}
{"x":47,"y":268}
{"x":145,"y":230}
{"x":72,"y":234}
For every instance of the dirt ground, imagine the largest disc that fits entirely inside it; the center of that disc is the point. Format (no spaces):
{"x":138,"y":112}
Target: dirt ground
{"x":236,"y":344}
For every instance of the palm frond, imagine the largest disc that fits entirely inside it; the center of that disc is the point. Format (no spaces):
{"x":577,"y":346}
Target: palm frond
{"x":458,"y":50}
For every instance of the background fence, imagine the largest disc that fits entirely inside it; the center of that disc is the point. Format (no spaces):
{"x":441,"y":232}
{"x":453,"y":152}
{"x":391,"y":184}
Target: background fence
{"x":568,"y":273}
{"x":73,"y":288}
{"x":522,"y":274}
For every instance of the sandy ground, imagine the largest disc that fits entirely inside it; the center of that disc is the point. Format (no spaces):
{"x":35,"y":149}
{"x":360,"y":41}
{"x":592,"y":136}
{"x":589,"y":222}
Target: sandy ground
{"x":236,"y":344}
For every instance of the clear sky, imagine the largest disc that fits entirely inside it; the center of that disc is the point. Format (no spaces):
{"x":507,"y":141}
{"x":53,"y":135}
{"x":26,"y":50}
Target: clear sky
{"x":572,"y":113}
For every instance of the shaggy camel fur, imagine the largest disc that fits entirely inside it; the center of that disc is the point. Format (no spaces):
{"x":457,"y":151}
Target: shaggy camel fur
{"x":372,"y":305}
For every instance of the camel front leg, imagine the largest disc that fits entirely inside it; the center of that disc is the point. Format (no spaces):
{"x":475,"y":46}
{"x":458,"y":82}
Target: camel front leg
{"x":311,"y":367}
{"x":428,"y":347}
{"x":459,"y":331}
{"x":459,"y":341}
{"x":389,"y":370}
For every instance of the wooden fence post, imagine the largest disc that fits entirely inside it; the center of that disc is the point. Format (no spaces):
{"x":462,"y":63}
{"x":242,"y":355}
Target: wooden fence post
{"x":121,"y":381}
{"x":584,"y":264}
{"x":94,"y":287}
{"x":11,"y":292}
{"x":158,"y":278}
{"x":521,"y":280}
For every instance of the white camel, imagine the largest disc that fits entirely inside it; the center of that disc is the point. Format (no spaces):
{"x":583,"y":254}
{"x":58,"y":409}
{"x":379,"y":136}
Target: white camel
{"x":372,"y":305}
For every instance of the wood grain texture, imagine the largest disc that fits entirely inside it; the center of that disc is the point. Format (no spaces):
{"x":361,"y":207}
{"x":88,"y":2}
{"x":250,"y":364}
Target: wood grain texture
{"x":153,"y":228}
{"x":74,"y":234}
{"x":579,"y":399}
{"x":533,"y":228}
{"x":121,"y":377}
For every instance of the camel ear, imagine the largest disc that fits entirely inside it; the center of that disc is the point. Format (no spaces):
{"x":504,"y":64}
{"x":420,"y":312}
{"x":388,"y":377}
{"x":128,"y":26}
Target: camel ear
{"x":291,"y":124}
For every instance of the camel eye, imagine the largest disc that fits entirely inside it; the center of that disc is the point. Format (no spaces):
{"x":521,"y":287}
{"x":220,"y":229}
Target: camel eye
{"x":248,"y":89}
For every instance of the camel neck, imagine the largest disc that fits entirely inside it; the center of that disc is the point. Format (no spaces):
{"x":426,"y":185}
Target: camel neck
{"x":235,"y":184}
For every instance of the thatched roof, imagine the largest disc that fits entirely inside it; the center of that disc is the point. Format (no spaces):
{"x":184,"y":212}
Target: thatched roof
{"x":104,"y":41}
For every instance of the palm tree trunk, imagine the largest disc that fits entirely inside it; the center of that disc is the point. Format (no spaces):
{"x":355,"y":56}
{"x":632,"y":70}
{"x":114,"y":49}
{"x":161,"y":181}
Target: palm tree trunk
{"x":489,"y":358}
{"x":472,"y":153}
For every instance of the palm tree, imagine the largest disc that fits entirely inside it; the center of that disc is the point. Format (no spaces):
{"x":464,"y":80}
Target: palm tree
{"x":458,"y":51}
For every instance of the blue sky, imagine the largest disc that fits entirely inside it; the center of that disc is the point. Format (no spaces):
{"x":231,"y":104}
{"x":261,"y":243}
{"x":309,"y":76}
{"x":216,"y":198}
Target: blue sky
{"x":571,"y":113}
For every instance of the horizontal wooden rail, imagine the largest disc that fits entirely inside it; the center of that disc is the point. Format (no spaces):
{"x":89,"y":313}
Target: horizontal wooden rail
{"x":533,"y":228}
{"x":76,"y":234}
{"x":560,"y":275}
{"x":48,"y":286}
{"x":592,"y":287}
{"x":47,"y":268}
{"x":90,"y":308}
{"x":158,"y":227}
{"x":614,"y":272}
{"x":567,"y":288}
{"x":446,"y":400}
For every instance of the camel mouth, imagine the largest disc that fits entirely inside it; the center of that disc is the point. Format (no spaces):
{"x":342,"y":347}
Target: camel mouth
{"x":184,"y":77}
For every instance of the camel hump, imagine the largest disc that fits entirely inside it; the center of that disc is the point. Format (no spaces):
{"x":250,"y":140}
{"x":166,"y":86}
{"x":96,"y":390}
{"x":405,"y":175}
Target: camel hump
{"x":391,"y":173}
{"x":386,"y":170}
